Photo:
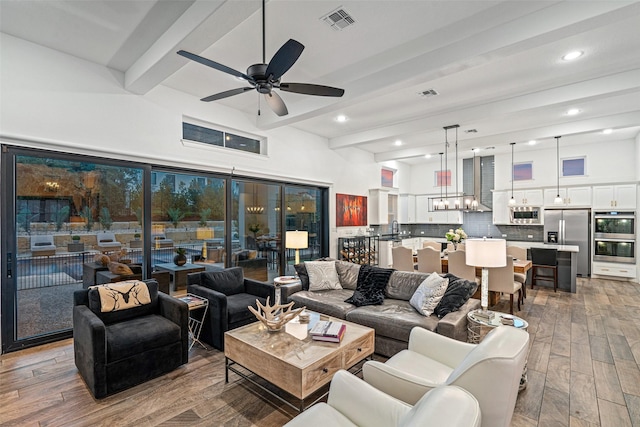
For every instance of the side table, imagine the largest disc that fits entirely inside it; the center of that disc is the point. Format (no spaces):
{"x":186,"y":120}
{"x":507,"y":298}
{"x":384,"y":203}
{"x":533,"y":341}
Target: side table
{"x":179,"y":273}
{"x":283,"y":280}
{"x":197,"y":312}
{"x":478,"y":327}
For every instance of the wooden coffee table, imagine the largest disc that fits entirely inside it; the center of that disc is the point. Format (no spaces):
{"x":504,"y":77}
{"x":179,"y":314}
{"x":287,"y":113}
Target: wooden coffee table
{"x":290,"y":359}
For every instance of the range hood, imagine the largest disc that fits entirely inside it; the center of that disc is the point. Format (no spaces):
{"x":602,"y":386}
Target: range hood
{"x":478,"y":181}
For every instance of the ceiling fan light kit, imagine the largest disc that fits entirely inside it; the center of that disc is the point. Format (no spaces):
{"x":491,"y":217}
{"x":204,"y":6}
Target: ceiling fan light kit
{"x":266,"y":77}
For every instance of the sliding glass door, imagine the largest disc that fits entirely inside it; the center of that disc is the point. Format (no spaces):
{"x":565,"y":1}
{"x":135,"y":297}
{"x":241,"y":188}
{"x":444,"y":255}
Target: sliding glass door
{"x":60,"y":211}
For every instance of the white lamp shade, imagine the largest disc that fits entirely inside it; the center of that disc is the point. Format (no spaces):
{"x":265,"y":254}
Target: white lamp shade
{"x":204,"y":233}
{"x":486,"y":252}
{"x":297,"y":239}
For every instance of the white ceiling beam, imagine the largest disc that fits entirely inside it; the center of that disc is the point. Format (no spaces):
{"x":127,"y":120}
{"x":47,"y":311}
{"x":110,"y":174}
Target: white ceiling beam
{"x":494,"y":33}
{"x":204,"y":23}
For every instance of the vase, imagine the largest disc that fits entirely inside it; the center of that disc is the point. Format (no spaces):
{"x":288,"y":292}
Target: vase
{"x":180,"y":260}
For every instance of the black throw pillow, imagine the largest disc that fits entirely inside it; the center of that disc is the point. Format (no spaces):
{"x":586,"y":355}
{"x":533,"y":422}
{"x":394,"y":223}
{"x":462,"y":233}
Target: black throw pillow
{"x":301,"y":270}
{"x":371,"y":284}
{"x":457,"y":294}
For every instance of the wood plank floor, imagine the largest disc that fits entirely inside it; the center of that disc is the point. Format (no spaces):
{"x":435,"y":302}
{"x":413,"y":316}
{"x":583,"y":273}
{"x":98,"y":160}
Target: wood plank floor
{"x":583,"y":371}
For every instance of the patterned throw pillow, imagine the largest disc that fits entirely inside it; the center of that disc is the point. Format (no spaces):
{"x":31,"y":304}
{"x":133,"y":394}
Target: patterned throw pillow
{"x":123,"y":295}
{"x":429,"y":293}
{"x":322,"y":275}
{"x":371,"y":284}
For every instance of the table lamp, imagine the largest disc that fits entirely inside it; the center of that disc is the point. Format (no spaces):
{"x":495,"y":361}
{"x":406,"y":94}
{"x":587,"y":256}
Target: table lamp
{"x":297,"y":240}
{"x":486,"y":253}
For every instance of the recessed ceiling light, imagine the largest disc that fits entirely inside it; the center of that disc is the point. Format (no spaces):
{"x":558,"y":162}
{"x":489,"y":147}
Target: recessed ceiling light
{"x":398,"y":142}
{"x":427,"y":156}
{"x":572,"y":55}
{"x":573,"y":112}
{"x":532,"y":142}
{"x":341,"y":118}
{"x":607,"y":131}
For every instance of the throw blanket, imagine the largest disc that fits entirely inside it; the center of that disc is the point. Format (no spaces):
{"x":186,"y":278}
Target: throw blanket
{"x":123,"y":295}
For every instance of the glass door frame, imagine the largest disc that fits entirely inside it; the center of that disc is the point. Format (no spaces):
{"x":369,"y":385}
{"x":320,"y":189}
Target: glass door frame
{"x":9,"y":244}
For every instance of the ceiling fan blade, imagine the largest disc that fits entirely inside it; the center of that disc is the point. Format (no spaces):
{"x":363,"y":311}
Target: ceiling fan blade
{"x":276,"y":103}
{"x":284,"y":58}
{"x":226,"y":94}
{"x":310,"y":89}
{"x":213,"y":64}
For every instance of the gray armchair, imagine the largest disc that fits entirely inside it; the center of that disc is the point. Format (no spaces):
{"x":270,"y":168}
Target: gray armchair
{"x":229,"y":294}
{"x":116,"y":350}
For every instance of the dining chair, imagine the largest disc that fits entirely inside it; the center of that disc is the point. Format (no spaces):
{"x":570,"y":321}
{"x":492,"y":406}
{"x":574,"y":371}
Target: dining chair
{"x":501,"y":280}
{"x":544,"y":259}
{"x":431,"y":244}
{"x":457,"y":266}
{"x":402,"y":258}
{"x":519,"y":253}
{"x":429,"y":261}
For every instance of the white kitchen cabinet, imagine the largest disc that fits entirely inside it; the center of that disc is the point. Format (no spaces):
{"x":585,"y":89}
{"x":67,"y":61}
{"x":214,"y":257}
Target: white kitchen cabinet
{"x":571,"y":196}
{"x":621,"y":196}
{"x":530,"y":197}
{"x":385,"y":259}
{"x":407,"y":209}
{"x":501,"y":207}
{"x":614,"y":269}
{"x":422,"y":209}
{"x":378,"y":206}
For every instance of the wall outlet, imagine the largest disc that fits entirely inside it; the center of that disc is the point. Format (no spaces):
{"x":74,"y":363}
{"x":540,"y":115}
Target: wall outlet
{"x":422,"y":232}
{"x":504,"y":235}
{"x":529,"y":236}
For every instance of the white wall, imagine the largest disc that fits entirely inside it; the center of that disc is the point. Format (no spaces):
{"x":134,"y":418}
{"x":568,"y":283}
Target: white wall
{"x":56,"y":101}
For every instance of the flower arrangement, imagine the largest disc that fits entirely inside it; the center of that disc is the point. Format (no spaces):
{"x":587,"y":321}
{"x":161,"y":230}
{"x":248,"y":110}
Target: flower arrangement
{"x":456,"y":236}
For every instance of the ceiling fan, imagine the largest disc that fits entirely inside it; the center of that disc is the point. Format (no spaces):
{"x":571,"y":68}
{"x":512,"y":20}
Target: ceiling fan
{"x":266,"y":77}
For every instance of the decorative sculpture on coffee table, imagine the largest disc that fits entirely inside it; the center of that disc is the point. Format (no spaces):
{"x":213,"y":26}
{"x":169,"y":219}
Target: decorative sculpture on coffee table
{"x":275,"y":316}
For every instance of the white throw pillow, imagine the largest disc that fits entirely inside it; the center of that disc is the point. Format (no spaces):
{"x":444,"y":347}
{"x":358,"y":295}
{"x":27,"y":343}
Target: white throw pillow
{"x":426,"y":298}
{"x":322,"y":275}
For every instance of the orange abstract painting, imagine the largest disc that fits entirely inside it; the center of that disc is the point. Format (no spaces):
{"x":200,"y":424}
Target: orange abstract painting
{"x":351,"y":211}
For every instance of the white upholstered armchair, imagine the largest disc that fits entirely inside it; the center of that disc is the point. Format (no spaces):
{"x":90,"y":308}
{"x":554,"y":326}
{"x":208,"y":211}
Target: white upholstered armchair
{"x":352,"y":402}
{"x":491,"y":370}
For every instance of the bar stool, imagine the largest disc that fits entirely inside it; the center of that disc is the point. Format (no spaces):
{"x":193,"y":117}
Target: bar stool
{"x":544,"y":259}
{"x":519,"y":253}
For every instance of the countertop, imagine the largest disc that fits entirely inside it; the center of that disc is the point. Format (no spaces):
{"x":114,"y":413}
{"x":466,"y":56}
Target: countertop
{"x":522,"y":244}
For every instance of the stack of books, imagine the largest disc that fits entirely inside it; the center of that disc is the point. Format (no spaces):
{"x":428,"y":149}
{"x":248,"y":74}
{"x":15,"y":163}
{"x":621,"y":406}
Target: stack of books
{"x":328,"y":330}
{"x":193,"y":301}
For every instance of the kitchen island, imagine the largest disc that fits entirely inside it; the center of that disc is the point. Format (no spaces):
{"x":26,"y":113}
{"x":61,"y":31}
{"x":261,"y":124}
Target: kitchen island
{"x":567,"y":263}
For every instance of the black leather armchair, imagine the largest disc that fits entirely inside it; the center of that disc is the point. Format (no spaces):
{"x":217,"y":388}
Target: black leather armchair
{"x":229,"y":294}
{"x":117,"y":350}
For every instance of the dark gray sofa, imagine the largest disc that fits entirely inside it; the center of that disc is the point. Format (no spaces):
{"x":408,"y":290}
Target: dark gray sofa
{"x":117,"y":350}
{"x":393,"y":320}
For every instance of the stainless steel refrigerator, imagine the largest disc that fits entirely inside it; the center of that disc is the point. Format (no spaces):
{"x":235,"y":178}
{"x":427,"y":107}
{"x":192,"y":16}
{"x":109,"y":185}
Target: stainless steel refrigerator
{"x":571,"y":227}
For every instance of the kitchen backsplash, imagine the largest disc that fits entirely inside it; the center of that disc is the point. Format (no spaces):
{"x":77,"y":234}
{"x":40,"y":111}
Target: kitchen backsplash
{"x":475,"y":224}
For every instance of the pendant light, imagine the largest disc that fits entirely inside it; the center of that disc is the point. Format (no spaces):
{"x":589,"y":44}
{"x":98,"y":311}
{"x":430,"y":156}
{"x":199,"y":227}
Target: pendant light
{"x":512,"y":201}
{"x":440,"y":204}
{"x":446,"y":168}
{"x":558,"y":199}
{"x":474,"y":202}
{"x":255,"y":208}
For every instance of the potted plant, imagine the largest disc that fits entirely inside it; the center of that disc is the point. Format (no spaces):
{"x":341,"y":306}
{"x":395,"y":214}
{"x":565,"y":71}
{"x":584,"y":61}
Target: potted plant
{"x":76,"y":245}
{"x":136,"y":242}
{"x":181,"y":257}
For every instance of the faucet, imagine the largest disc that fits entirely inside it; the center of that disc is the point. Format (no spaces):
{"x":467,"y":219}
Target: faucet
{"x":395,"y":227}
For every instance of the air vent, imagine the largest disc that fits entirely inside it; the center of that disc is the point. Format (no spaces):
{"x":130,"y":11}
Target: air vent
{"x":339,"y":19}
{"x":429,"y":92}
{"x":471,"y":131}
